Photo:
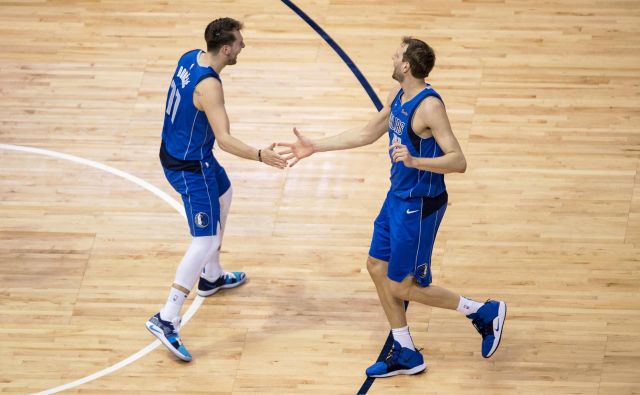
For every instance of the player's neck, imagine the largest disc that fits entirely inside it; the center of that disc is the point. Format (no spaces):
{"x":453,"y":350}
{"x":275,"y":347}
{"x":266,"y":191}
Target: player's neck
{"x":412,"y":86}
{"x":216,"y":62}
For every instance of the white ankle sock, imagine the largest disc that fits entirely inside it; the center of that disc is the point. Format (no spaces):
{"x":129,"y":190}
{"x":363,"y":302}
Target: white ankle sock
{"x":468,"y":306}
{"x":403,"y":336}
{"x":171,"y":309}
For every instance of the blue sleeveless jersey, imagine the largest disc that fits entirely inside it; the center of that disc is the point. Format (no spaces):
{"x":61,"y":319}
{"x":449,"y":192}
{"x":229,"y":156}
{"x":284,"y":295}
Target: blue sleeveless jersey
{"x":186,"y":133}
{"x":409,"y":182}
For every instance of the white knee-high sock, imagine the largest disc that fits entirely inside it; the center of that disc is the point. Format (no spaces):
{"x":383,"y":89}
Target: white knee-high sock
{"x":212,"y":268}
{"x":199,"y":252}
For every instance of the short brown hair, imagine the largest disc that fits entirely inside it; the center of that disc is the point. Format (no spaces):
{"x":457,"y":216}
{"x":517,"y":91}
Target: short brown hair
{"x":220,"y":32}
{"x":420,"y":56}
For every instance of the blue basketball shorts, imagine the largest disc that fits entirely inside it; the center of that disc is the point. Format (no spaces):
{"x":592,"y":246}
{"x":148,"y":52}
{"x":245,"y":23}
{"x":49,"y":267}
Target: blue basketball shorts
{"x":404,"y":234}
{"x":200,"y":187}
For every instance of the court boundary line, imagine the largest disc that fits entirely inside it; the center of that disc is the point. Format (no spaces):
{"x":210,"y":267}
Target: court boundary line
{"x":197,"y":301}
{"x":339,"y":51}
{"x":368,"y":382}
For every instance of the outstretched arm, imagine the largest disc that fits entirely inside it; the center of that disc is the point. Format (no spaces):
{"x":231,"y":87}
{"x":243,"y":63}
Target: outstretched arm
{"x":209,"y":97}
{"x":351,"y":138}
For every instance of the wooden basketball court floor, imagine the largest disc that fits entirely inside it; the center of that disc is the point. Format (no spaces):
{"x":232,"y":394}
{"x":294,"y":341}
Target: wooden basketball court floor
{"x":543,"y":96}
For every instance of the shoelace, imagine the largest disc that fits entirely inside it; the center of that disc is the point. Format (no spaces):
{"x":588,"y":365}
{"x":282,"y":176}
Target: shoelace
{"x":392,"y":357}
{"x":175,"y":326}
{"x":169,"y":329}
{"x":482,"y":328}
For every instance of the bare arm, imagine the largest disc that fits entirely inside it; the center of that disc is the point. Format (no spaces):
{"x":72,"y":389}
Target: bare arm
{"x":209,"y":97}
{"x":351,"y":138}
{"x":356,"y":137}
{"x":432,"y":114}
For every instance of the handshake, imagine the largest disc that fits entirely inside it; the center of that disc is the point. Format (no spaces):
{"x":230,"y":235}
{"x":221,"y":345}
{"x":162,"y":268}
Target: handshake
{"x":303,"y":147}
{"x":291,"y":153}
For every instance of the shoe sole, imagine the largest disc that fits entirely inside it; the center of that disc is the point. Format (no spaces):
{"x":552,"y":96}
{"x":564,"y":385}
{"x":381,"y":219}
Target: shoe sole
{"x":416,"y":370}
{"x":210,"y":292}
{"x":160,"y":336}
{"x":501,"y":319}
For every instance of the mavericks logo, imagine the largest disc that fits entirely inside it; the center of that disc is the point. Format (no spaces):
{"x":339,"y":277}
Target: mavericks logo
{"x":201,"y":220}
{"x":422,"y":270}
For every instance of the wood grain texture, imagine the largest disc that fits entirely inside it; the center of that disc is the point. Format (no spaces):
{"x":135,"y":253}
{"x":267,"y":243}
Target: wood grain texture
{"x":543,"y":96}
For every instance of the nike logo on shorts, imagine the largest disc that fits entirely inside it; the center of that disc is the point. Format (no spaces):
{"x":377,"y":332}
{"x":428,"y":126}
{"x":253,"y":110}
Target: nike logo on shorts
{"x":411,"y":212}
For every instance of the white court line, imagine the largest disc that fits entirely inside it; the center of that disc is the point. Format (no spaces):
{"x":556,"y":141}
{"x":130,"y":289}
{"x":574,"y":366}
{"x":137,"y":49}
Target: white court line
{"x":195,"y":305}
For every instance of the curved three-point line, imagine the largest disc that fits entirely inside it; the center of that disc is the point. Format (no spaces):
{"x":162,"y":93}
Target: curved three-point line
{"x":198,"y":301}
{"x":376,"y":102}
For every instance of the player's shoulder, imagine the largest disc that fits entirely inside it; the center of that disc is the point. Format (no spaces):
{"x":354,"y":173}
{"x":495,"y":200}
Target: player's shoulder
{"x":209,"y":90}
{"x":189,"y":53}
{"x":432,"y":100}
{"x":431,"y":106}
{"x":209,"y":80}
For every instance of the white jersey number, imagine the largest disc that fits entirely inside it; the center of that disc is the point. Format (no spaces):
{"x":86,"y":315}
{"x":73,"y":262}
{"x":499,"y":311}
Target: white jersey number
{"x":173,"y":102}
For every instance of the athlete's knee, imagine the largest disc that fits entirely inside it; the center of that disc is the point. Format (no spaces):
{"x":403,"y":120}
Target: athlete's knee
{"x":376,"y":267}
{"x":215,"y":243}
{"x":205,"y":246}
{"x":401,"y":290}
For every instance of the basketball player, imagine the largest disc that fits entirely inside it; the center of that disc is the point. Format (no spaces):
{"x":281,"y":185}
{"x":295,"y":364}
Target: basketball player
{"x":422,"y":149}
{"x":195,"y":117}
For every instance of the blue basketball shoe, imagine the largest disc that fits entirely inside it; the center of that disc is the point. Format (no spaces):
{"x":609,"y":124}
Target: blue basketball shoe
{"x":227,"y":280}
{"x":489,"y":321}
{"x":400,"y":360}
{"x":167,"y":333}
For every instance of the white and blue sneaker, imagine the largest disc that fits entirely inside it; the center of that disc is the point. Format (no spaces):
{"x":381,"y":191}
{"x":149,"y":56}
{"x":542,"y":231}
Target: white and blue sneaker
{"x":489,"y":322}
{"x":227,"y":280}
{"x":167,"y":333}
{"x":400,"y":360}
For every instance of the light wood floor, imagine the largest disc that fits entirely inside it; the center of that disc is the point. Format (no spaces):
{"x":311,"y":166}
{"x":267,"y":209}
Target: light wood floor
{"x":544,"y":97}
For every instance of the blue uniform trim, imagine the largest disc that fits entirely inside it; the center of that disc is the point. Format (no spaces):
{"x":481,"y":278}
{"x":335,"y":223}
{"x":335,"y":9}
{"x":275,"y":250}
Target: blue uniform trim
{"x":366,"y":385}
{"x":405,"y":231}
{"x":200,"y":193}
{"x":186,"y":150}
{"x":415,"y":139}
{"x":413,"y":111}
{"x":171,"y":163}
{"x":186,"y":132}
{"x":409,"y":182}
{"x":210,"y":75}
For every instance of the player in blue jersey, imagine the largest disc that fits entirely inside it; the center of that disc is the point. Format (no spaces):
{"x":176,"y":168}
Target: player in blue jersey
{"x":195,"y":117}
{"x":422,"y":148}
